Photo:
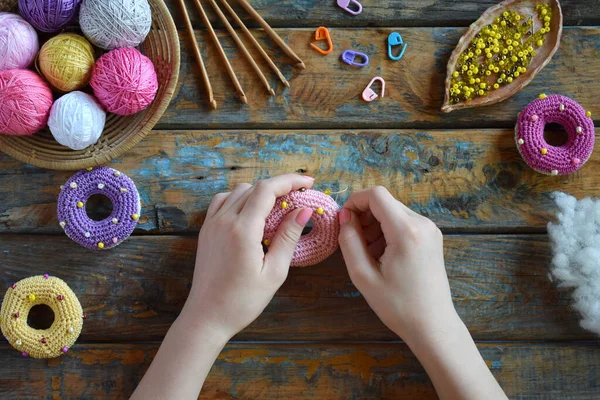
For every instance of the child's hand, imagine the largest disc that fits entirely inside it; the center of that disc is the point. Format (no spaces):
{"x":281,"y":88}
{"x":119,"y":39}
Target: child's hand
{"x":234,"y":279}
{"x":395,"y":258}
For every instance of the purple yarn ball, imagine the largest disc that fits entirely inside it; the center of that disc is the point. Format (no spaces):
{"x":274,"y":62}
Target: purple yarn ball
{"x":49,"y":15}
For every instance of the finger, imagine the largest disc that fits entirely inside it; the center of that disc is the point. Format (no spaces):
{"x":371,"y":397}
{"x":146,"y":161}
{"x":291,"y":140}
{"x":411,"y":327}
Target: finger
{"x":372,"y":232}
{"x":377,"y":248}
{"x":216,"y":204}
{"x":265,"y":193}
{"x":282,"y":247}
{"x":361,"y":266}
{"x":239,"y":191}
{"x":366,"y":218}
{"x":390,"y":213}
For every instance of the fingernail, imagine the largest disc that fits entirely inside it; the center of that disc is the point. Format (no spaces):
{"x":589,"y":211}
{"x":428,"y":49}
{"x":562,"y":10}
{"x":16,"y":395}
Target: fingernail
{"x":303,"y":217}
{"x":344,"y":216}
{"x":308,"y":177}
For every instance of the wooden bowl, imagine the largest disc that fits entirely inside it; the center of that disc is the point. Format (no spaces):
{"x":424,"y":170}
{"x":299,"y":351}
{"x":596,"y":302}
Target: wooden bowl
{"x":120,"y":133}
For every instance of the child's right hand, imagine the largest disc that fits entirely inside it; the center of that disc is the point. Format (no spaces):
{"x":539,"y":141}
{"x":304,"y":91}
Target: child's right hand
{"x":395,"y":257}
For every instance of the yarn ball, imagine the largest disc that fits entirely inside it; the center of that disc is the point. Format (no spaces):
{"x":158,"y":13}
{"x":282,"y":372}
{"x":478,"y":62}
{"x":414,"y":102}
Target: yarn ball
{"x":67,"y":61}
{"x":124,"y":81}
{"x":322,"y":240}
{"x":9,"y":5}
{"x":25,"y":101}
{"x":49,"y":15}
{"x":76,"y":120}
{"x":18,"y":42}
{"x":112,"y":24}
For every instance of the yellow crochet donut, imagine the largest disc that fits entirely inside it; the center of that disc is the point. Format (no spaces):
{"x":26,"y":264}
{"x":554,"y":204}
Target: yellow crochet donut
{"x":41,"y":343}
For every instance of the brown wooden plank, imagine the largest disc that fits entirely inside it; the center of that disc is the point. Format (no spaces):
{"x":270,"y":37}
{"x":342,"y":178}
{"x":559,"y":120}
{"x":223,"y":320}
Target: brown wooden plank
{"x":500,"y":286}
{"x":327,"y":93}
{"x":312,"y":13}
{"x":464,"y":180}
{"x":303,"y":371}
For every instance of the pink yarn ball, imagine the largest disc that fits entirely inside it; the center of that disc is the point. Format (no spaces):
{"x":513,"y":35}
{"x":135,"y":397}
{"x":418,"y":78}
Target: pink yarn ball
{"x":18,"y":42}
{"x":25,"y":102}
{"x":124,"y":81}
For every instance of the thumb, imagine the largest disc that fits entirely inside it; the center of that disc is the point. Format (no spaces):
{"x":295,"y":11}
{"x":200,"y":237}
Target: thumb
{"x":282,"y":248}
{"x":354,"y":247}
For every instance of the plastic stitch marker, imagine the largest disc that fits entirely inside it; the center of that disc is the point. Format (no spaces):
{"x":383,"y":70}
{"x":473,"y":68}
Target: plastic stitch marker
{"x":369,"y":94}
{"x":350,"y":55}
{"x":322,"y":34}
{"x":395,"y":39}
{"x":345,"y":4}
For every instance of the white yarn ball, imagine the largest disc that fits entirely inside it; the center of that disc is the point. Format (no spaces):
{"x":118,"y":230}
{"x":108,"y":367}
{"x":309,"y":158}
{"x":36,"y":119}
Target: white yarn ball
{"x":112,"y":24}
{"x":18,"y":42}
{"x":76,"y":120}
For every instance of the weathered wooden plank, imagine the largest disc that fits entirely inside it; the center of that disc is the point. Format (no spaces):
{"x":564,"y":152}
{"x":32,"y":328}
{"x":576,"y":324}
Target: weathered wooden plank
{"x":500,"y":286}
{"x":308,"y":371}
{"x":383,"y":13}
{"x":327,"y":93}
{"x":464,"y":180}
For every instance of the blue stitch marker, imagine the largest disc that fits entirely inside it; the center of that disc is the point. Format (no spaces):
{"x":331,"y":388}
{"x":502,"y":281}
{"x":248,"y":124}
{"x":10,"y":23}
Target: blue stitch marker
{"x":395,"y":39}
{"x":350,"y":55}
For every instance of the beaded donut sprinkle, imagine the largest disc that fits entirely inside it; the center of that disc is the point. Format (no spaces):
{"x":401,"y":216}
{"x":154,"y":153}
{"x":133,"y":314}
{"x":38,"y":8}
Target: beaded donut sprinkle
{"x":543,"y":157}
{"x":46,"y":290}
{"x":110,"y":232}
{"x":322,"y":240}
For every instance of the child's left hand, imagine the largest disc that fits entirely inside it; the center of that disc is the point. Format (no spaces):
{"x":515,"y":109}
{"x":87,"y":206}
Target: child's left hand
{"x":234,"y":279}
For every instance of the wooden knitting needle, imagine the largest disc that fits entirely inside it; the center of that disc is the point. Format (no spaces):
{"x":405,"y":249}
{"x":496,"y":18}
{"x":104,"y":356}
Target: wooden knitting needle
{"x":242,"y":47}
{"x":272,"y":33}
{"x":196,"y":49}
{"x":250,"y":36}
{"x":228,"y":67}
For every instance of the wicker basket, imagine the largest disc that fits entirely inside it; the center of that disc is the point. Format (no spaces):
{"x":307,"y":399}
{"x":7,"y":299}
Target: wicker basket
{"x":120,"y":133}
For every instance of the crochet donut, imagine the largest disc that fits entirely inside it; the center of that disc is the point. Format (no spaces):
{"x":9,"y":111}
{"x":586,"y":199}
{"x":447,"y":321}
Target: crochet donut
{"x":322,"y":240}
{"x":41,"y":343}
{"x":548,"y":159}
{"x":110,"y":232}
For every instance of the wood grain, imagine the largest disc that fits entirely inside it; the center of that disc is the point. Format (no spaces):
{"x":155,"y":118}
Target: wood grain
{"x":385,"y":13}
{"x":276,"y":371}
{"x":500,"y":287}
{"x":465,"y":180}
{"x":327,"y":93}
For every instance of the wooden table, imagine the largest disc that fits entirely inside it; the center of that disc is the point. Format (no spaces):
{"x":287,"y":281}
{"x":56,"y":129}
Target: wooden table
{"x":318,"y":338}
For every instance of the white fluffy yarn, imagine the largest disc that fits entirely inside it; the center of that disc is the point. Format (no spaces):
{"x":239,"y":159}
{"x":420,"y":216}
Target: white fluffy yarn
{"x":76,"y":120}
{"x":112,"y":24}
{"x":18,"y":42}
{"x":576,"y":246}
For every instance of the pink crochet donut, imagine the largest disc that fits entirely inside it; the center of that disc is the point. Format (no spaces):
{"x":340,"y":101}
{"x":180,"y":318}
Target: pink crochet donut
{"x":322,"y":240}
{"x":548,"y":159}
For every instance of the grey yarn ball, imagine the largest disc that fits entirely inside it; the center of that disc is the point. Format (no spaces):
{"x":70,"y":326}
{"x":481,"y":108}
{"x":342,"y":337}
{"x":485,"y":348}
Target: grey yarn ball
{"x":112,"y":24}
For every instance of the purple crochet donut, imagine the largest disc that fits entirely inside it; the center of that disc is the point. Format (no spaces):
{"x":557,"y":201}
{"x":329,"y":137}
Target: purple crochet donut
{"x":110,"y":232}
{"x":548,"y":159}
{"x":322,"y":240}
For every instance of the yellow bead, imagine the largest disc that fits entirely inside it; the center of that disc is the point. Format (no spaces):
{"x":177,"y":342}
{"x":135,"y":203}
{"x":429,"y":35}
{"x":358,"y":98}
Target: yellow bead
{"x":589,"y":114}
{"x":539,"y":43}
{"x":547,"y":18}
{"x":501,"y":63}
{"x":530,"y":49}
{"x":496,"y":86}
{"x":489,"y":55}
{"x":542,"y":96}
{"x":505,"y":14}
{"x":31,"y":297}
{"x":544,"y":11}
{"x":518,"y":17}
{"x":503,"y":23}
{"x":478,"y":51}
{"x":89,"y":168}
{"x":455,"y":74}
{"x":516,"y":74}
{"x":284,"y":205}
{"x":100,"y":245}
{"x":470,"y":73}
{"x":135,"y":217}
{"x":544,"y":151}
{"x":496,"y":70}
{"x":488,"y":73}
{"x":510,"y":48}
{"x":79,"y":204}
{"x":517,"y":36}
{"x":482,"y":85}
{"x":475,"y":70}
{"x":481,"y":92}
{"x":514,"y":58}
{"x":509,"y":79}
{"x":327,"y":192}
{"x":472,"y":81}
{"x":266,"y":242}
{"x":543,"y":31}
{"x":320,"y":211}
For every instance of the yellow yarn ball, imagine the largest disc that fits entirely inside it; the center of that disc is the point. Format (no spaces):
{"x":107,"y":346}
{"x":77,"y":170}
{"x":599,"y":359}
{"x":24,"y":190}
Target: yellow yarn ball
{"x":67,"y":61}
